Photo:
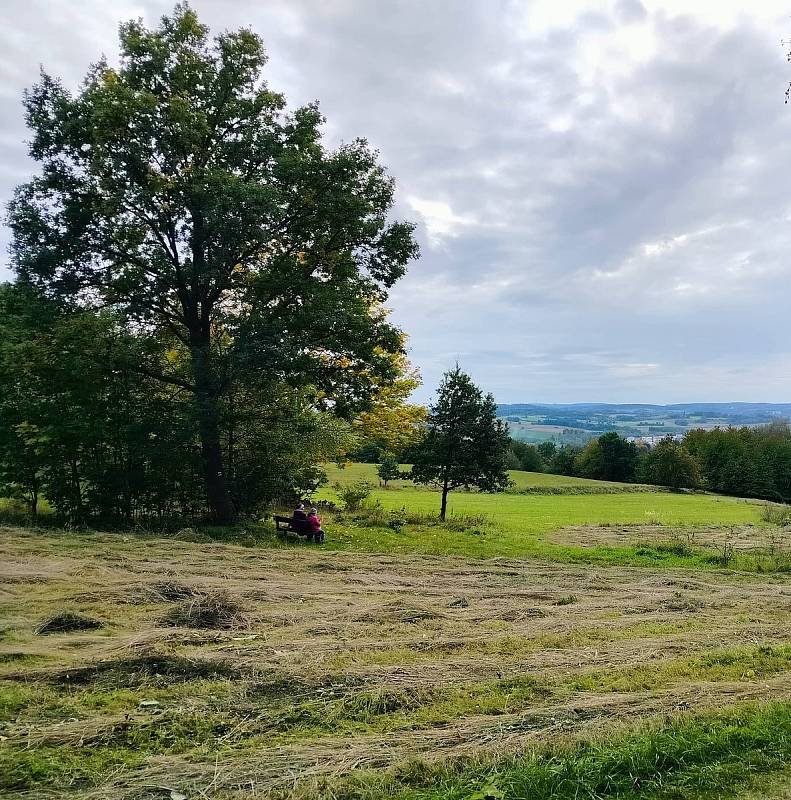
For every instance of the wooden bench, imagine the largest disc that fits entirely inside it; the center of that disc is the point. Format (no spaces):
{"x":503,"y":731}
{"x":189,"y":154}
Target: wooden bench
{"x":284,"y":526}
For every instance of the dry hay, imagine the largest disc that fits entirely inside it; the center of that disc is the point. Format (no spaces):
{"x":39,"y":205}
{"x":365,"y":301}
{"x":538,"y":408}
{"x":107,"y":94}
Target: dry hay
{"x":681,"y":603}
{"x":206,"y":610}
{"x":382,"y":635}
{"x":744,"y":538}
{"x":166,"y":592}
{"x":67,"y":622}
{"x":398,"y":611}
{"x":192,"y":536}
{"x":301,"y":767}
{"x":516,"y":614}
{"x":141,"y":669}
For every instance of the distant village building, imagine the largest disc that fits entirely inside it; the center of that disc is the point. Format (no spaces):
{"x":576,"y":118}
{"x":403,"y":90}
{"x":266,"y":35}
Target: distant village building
{"x":650,"y":439}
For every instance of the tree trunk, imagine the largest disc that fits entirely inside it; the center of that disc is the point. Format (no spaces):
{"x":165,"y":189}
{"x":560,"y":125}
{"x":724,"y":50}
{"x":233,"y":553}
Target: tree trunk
{"x":206,"y":397}
{"x":77,"y":512}
{"x":444,"y":506}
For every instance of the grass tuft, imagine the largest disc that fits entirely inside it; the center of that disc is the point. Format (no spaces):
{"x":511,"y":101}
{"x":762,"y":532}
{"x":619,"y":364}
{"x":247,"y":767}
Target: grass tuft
{"x":67,"y":622}
{"x":138,"y":670}
{"x":568,"y":600}
{"x":210,"y":610}
{"x":167,"y":591}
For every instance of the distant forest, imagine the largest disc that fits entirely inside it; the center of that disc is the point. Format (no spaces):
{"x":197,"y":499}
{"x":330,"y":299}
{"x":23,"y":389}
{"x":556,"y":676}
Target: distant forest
{"x":746,"y":461}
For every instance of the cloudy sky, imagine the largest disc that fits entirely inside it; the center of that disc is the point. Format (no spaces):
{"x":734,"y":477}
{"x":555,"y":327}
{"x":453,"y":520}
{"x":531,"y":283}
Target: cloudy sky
{"x":601,"y":188}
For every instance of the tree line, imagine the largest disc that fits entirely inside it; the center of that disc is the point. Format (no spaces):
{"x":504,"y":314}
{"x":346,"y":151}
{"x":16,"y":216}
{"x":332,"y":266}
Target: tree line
{"x":745,"y":461}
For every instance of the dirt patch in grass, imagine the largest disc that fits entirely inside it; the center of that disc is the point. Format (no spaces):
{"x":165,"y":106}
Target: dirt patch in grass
{"x":67,"y":622}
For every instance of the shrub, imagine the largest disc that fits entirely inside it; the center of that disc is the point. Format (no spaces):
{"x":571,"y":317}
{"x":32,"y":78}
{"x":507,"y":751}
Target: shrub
{"x":388,"y":470}
{"x":776,"y":514}
{"x":725,"y":557}
{"x":353,"y":495}
{"x":395,"y":523}
{"x":374,"y":516}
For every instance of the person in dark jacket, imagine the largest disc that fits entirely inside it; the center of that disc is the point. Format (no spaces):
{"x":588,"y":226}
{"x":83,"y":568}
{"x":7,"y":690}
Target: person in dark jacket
{"x":299,"y":519}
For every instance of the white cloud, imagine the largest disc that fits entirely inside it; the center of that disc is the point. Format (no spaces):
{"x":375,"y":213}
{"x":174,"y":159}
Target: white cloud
{"x":439,"y":219}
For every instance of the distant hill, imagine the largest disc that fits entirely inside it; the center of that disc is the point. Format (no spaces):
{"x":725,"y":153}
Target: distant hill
{"x":574,"y":423}
{"x":725,"y":409}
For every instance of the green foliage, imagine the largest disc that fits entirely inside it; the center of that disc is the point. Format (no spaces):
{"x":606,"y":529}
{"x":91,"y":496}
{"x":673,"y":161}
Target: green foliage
{"x":776,"y":514}
{"x":107,"y":444}
{"x":374,"y":515}
{"x":707,"y":756}
{"x":465,"y":444}
{"x":234,"y":249}
{"x":746,"y":462}
{"x":547,"y":451}
{"x":275,"y":440}
{"x":750,"y":462}
{"x":564,"y":460}
{"x":601,"y":488}
{"x":525,"y":457}
{"x":396,"y":522}
{"x":61,"y":765}
{"x":368,"y":453}
{"x":388,"y":470}
{"x":354,"y":494}
{"x":608,"y":458}
{"x":391,"y":425}
{"x":668,"y":463}
{"x":98,"y":443}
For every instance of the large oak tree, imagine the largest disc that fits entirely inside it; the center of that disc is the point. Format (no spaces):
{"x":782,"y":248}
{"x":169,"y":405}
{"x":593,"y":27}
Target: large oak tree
{"x":178,"y":191}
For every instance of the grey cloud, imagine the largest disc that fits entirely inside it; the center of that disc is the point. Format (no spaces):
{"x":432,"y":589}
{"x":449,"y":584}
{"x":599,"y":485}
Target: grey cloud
{"x":627,"y":11}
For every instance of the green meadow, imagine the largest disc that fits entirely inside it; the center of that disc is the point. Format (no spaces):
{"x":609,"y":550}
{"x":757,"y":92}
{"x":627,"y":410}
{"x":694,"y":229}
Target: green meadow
{"x":517,"y":524}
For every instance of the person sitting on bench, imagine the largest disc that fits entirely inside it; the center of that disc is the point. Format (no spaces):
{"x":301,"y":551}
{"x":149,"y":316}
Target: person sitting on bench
{"x":299,"y":520}
{"x":315,"y":532}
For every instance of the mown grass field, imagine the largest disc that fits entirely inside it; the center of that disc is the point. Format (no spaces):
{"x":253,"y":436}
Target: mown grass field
{"x":354,"y":675}
{"x":543,"y":646}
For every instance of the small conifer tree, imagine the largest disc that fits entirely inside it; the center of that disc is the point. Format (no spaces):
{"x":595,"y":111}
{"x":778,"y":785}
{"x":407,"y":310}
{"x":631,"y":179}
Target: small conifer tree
{"x":465,"y":444}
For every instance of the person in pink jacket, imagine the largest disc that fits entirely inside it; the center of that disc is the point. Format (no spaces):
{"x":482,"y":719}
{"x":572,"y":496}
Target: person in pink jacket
{"x":314,"y":526}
